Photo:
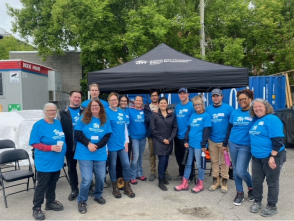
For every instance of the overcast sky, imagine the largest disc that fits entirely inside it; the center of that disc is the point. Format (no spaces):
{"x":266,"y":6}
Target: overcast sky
{"x":5,"y":19}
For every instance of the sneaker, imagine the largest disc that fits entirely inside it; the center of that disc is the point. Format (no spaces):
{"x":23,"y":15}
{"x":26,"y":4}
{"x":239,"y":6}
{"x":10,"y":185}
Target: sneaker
{"x":54,"y":205}
{"x":100,"y":200}
{"x":256,"y":207}
{"x":239,"y":199}
{"x":91,"y":192}
{"x":38,"y":214}
{"x":134,"y":181}
{"x":250,"y":195}
{"x":269,"y":211}
{"x":142,"y":178}
{"x":82,"y":207}
{"x":73,"y":195}
{"x":167,"y":176}
{"x":179,"y":177}
{"x":151,"y":177}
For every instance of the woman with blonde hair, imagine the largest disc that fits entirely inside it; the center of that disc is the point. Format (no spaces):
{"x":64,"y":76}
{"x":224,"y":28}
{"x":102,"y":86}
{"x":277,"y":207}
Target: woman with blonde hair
{"x":196,"y":139}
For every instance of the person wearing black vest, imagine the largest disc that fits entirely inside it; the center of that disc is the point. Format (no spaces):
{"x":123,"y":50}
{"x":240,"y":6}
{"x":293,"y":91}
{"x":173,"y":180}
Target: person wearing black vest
{"x":68,"y":117}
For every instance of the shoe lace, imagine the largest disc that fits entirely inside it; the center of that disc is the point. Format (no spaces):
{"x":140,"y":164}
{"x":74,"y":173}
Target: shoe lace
{"x":57,"y":202}
{"x":224,"y":182}
{"x":39,"y":211}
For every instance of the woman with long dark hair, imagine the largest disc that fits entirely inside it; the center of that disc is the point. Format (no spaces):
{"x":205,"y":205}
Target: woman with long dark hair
{"x":164,"y":127}
{"x":92,"y":133}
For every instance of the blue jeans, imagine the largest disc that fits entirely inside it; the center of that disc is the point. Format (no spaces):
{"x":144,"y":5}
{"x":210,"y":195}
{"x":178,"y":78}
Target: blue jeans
{"x":124,"y":159}
{"x":87,"y":167}
{"x":240,"y":156}
{"x":197,"y":153}
{"x":136,"y":163}
{"x":162,"y":165}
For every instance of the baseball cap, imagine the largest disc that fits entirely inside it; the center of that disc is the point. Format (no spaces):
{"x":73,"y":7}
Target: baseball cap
{"x":216,"y":91}
{"x":183,"y":89}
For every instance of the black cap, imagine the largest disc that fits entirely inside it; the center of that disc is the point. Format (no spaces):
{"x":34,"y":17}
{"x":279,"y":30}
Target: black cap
{"x":183,"y":89}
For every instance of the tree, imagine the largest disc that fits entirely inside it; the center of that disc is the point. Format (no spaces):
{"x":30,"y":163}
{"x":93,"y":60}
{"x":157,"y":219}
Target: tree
{"x":10,"y":43}
{"x":244,"y":33}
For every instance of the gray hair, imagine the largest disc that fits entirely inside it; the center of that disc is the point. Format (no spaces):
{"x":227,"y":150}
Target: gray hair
{"x":47,"y":105}
{"x":268,"y":108}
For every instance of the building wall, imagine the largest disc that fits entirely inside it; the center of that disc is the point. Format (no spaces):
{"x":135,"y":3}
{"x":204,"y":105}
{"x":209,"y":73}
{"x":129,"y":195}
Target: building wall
{"x":68,"y":65}
{"x":34,"y":91}
{"x":12,"y":92}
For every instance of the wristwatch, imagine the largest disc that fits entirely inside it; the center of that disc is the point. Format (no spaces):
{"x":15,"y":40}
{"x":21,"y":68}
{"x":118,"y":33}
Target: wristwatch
{"x":272,"y":155}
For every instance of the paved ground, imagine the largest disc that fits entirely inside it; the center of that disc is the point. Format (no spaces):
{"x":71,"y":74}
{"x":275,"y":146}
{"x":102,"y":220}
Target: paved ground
{"x":151,"y":203}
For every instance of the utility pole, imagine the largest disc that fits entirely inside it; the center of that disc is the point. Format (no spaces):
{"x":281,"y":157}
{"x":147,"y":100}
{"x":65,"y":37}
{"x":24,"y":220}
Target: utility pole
{"x":202,"y":34}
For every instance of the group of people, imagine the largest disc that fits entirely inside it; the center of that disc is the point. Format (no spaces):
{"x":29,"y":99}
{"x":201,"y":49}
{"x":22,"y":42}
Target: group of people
{"x":99,"y":134}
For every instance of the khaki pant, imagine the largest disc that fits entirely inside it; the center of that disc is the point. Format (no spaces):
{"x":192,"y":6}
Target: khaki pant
{"x":152,"y":157}
{"x":218,"y":163}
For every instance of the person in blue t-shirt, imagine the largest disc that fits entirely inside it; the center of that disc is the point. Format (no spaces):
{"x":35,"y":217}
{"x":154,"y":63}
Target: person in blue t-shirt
{"x":47,"y":139}
{"x":183,"y":111}
{"x":268,"y":155}
{"x":123,"y":101}
{"x":69,"y":117}
{"x":196,"y":139}
{"x":137,"y":130}
{"x":94,"y":92}
{"x":239,"y":144}
{"x":118,"y":146}
{"x":92,"y":133}
{"x":220,"y":114}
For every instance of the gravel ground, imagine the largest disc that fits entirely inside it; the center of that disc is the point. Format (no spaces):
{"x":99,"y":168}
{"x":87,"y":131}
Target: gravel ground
{"x":151,"y":203}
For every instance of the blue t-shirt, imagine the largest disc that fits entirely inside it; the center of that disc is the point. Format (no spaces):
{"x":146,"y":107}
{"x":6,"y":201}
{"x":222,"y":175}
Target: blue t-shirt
{"x":126,"y":110}
{"x":197,"y":123}
{"x":220,"y":117}
{"x":261,"y":132}
{"x":86,"y":103}
{"x":118,"y":125}
{"x":137,"y":127}
{"x":242,"y":122}
{"x":183,"y":113}
{"x":49,"y":134}
{"x":94,"y":132}
{"x":75,"y":115}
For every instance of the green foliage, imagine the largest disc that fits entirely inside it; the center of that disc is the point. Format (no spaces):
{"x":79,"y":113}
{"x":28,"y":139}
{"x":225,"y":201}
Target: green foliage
{"x":244,"y":33}
{"x":10,"y":43}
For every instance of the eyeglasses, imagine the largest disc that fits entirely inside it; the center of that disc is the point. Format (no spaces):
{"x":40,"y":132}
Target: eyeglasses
{"x":113,"y":100}
{"x":123,"y":101}
{"x":243,"y":99}
{"x":95,"y":105}
{"x":195,"y":105}
{"x":51,"y":110}
{"x":155,"y":95}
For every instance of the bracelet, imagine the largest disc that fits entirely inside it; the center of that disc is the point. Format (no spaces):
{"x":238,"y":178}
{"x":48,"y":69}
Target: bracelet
{"x":272,"y":156}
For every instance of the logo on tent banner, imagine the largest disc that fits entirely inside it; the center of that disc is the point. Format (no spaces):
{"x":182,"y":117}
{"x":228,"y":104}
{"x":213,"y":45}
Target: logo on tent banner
{"x":155,"y":62}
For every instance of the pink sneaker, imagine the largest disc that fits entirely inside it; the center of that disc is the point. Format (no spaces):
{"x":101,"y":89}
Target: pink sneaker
{"x":199,"y":187}
{"x":183,"y":186}
{"x":134,"y":181}
{"x":142,"y":178}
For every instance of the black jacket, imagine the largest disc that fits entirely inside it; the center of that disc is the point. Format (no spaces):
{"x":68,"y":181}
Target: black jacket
{"x":66,"y":122}
{"x":163,"y":128}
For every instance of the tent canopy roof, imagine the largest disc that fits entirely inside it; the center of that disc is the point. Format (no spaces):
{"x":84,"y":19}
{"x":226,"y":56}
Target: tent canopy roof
{"x":165,"y":69}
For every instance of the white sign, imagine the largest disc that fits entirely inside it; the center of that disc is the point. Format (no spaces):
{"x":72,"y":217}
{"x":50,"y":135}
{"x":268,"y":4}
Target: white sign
{"x":14,"y":77}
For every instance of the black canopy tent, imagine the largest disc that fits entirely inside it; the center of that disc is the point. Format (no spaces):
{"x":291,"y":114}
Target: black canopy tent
{"x":167,"y":70}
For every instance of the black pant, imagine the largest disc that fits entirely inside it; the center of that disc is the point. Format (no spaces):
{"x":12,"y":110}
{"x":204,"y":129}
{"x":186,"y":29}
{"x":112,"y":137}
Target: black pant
{"x":119,"y":169}
{"x":46,"y":186}
{"x":261,"y":170}
{"x":72,"y":170}
{"x":162,"y":165}
{"x":180,"y":152}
